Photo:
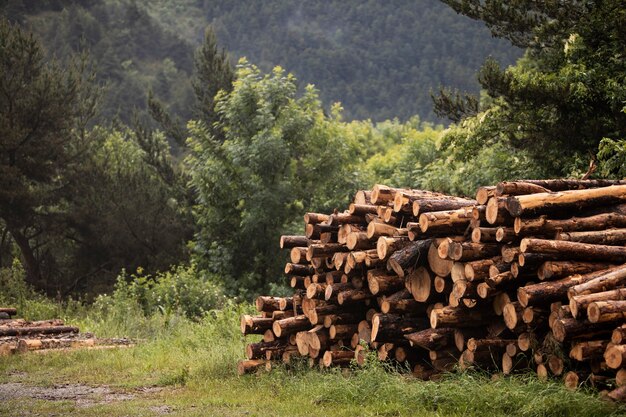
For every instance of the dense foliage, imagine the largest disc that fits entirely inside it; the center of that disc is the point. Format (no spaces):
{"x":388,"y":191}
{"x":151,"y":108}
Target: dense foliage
{"x":564,"y":97}
{"x":379,"y":59}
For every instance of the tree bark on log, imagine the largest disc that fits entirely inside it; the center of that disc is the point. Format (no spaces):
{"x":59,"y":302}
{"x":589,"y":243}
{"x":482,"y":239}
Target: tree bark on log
{"x":544,"y":226}
{"x":288,"y":242}
{"x":611,"y":278}
{"x":559,"y":269}
{"x":255,"y":325}
{"x":611,"y":237}
{"x":606,"y":311}
{"x":428,"y":205}
{"x":432,"y":339}
{"x":410,"y":256}
{"x":579,"y":303}
{"x":445,"y":222}
{"x":575,"y":250}
{"x":23,"y":331}
{"x":533,"y":204}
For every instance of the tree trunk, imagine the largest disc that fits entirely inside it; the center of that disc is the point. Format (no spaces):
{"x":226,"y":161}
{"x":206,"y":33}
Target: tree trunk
{"x":31,"y":264}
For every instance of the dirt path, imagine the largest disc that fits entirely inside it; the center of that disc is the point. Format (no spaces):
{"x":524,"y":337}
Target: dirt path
{"x":82,"y":395}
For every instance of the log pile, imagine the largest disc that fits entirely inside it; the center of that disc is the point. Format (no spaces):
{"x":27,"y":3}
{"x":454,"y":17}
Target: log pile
{"x":19,"y":335}
{"x":531,"y":275}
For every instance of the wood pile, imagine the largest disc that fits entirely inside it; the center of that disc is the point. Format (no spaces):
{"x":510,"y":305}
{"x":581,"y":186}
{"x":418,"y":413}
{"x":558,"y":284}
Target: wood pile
{"x":530,"y":275}
{"x":19,"y":335}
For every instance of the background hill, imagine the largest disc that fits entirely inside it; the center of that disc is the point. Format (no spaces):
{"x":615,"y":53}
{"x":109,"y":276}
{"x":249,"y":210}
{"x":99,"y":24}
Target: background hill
{"x":379,"y":59}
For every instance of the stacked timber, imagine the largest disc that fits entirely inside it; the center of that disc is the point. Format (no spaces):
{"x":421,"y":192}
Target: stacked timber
{"x":529,"y":275}
{"x":19,"y":335}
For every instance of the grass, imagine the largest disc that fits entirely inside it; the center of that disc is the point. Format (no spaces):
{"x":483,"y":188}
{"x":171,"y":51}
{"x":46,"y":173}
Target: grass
{"x":193,"y":363}
{"x":188,"y":367}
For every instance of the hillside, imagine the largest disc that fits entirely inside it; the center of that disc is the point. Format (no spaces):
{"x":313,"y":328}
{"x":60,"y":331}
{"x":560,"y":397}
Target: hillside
{"x":379,"y":59}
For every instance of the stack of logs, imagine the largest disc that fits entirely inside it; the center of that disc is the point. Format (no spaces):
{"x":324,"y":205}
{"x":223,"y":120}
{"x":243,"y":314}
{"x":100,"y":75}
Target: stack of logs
{"x":529,"y":275}
{"x":19,"y":335}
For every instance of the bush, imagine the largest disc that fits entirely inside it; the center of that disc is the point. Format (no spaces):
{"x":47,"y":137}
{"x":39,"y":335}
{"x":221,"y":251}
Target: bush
{"x":181,"y":291}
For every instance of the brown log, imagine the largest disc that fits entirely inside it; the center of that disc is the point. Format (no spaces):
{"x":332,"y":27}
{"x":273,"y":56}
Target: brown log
{"x":618,"y":394}
{"x":550,"y":291}
{"x":249,"y":366}
{"x":556,"y":365}
{"x":465,"y":289}
{"x":324,"y":250}
{"x":497,"y":212}
{"x":376,"y":230}
{"x":606,"y":311}
{"x":8,"y":310}
{"x":432,"y":339}
{"x":570,"y":328}
{"x":449,"y":221}
{"x":298,"y":255}
{"x":380,"y":281}
{"x":506,"y":235}
{"x":337,"y":219}
{"x":342,"y":318}
{"x":353,"y":296}
{"x":442,"y":285}
{"x":342,"y":331}
{"x":441,"y":267}
{"x":410,"y":256}
{"x":543,"y":225}
{"x":598,"y":237}
{"x":419,"y":282}
{"x":362,"y":209}
{"x":474,"y":344}
{"x":386,"y":246}
{"x":484,"y":234}
{"x":428,"y":205}
{"x":533,"y":204}
{"x":382,"y":194}
{"x":571,"y":380}
{"x":483,"y":194}
{"x":559,"y":269}
{"x":620,"y":377}
{"x":512,"y":314}
{"x":499,"y":301}
{"x":604,"y":281}
{"x":457,"y":317}
{"x":579,"y":303}
{"x":479,"y":269}
{"x":359,"y":241}
{"x":518,"y":188}
{"x":542,"y":372}
{"x":257,"y":350}
{"x":315,"y":218}
{"x":300,"y":270}
{"x":575,"y":250}
{"x":618,"y":337}
{"x":363,"y":197}
{"x":407,"y":306}
{"x":337,"y":357}
{"x":290,"y":325}
{"x":267,"y":303}
{"x":458,"y":272}
{"x":615,"y":356}
{"x":392,"y":326}
{"x":485,"y":291}
{"x":512,"y":363}
{"x":297,"y":282}
{"x":565,"y":184}
{"x":584,"y":351}
{"x":23,"y":331}
{"x":288,"y":242}
{"x":468,"y":251}
{"x":332,"y":289}
{"x":510,"y":253}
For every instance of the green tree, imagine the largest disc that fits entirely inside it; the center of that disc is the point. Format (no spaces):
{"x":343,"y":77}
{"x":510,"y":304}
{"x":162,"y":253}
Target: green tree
{"x":564,"y":96}
{"x":281,"y":154}
{"x":44,"y":109}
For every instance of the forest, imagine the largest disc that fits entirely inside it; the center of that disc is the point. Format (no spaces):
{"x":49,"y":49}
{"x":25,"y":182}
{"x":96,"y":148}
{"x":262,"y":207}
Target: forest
{"x":150,"y":151}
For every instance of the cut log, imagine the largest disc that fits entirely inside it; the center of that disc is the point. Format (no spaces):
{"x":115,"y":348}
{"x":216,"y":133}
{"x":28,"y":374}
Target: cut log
{"x":359,"y":241}
{"x":543,"y":225}
{"x":570,"y":328}
{"x":407,"y":306}
{"x":300,"y":270}
{"x":298,"y":255}
{"x":615,"y":356}
{"x":380,"y":281}
{"x":512,"y":314}
{"x":479,"y":269}
{"x":575,"y":250}
{"x":419,"y":282}
{"x":442,"y":285}
{"x":362,"y":209}
{"x":533,"y":204}
{"x":483,"y":194}
{"x":410,"y":256}
{"x":559,"y":269}
{"x":618,"y":337}
{"x":584,"y":351}
{"x":23,"y":331}
{"x":337,"y":357}
{"x":618,"y":394}
{"x":353,"y":296}
{"x":484,"y":234}
{"x":428,"y":205}
{"x":443,"y":222}
{"x":392,"y":326}
{"x":376,"y":230}
{"x":550,"y":291}
{"x":457,"y":317}
{"x":432,"y":339}
{"x":288,"y":242}
{"x":249,"y":366}
{"x":571,"y":380}
{"x":474,"y":344}
{"x":497,"y":212}
{"x":386,"y":246}
{"x":611,"y":278}
{"x":257,"y":350}
{"x":469,"y":251}
{"x":579,"y":303}
{"x":324,"y":250}
{"x":606,"y":311}
{"x":440,"y":267}
{"x":290,"y":325}
{"x":598,"y":237}
{"x":518,"y":188}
